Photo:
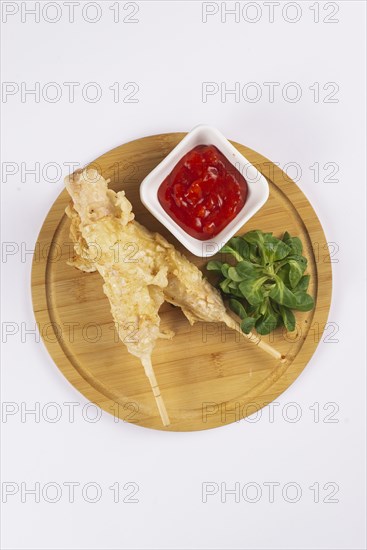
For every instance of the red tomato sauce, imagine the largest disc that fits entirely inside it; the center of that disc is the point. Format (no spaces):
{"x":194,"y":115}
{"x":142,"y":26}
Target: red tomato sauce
{"x":204,"y":192}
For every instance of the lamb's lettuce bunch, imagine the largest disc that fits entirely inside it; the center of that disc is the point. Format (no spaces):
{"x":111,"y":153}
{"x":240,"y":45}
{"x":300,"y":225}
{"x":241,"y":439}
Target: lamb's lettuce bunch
{"x":267,"y":281}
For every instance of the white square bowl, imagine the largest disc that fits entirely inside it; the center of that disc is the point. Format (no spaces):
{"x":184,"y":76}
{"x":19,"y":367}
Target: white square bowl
{"x":258,"y":189}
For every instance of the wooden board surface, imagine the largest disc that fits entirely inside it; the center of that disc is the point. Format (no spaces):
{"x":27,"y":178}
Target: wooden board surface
{"x":209,"y":375}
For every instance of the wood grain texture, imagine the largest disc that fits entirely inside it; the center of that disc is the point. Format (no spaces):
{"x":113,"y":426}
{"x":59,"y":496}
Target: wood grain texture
{"x":209,"y":375}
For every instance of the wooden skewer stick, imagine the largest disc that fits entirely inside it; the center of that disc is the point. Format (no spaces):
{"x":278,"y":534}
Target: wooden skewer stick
{"x":147,"y":363}
{"x":255,"y":339}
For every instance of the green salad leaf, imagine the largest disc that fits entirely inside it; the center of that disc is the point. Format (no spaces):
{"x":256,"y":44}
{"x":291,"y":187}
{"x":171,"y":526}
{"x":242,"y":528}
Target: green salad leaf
{"x":264,"y":280}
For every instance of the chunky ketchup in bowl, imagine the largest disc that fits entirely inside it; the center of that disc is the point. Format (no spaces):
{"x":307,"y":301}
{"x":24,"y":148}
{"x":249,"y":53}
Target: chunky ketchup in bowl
{"x":204,"y":192}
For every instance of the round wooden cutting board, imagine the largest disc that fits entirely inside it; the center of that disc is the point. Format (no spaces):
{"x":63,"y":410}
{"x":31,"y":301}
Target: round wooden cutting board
{"x":209,"y":375}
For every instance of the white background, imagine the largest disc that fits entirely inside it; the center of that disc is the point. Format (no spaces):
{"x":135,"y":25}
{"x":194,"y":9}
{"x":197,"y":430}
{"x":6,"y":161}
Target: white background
{"x":169,"y":53}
